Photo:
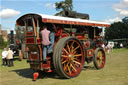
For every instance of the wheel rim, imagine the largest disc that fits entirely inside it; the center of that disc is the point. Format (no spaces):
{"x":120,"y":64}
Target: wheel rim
{"x":100,"y":59}
{"x":72,"y":58}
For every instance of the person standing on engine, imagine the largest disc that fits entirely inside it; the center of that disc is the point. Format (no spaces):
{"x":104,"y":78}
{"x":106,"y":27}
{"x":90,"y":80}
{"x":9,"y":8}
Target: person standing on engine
{"x":45,"y":42}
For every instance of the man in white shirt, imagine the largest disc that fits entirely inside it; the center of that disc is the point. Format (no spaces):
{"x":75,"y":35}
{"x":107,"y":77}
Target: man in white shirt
{"x":10,"y":57}
{"x":4,"y":55}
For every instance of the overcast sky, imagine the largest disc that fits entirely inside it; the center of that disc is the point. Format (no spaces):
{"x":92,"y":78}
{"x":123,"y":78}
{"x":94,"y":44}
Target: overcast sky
{"x":99,"y":10}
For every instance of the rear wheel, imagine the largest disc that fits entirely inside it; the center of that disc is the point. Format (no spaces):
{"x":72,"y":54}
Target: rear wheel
{"x":68,"y":57}
{"x":99,"y":58}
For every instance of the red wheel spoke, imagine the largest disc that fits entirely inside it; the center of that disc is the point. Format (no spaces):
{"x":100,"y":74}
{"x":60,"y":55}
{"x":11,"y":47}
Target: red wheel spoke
{"x":65,"y":51}
{"x":75,"y":48}
{"x":68,"y":48}
{"x":62,"y":59}
{"x":66,"y":60}
{"x":72,"y":45}
{"x":69,"y":68}
{"x":73,"y":67}
{"x":78,"y":55}
{"x":98,"y":55}
{"x":76,"y":62}
{"x":74,"y":52}
{"x":65,"y":56}
{"x":66,"y":66}
{"x":99,"y":62}
{"x":76,"y":59}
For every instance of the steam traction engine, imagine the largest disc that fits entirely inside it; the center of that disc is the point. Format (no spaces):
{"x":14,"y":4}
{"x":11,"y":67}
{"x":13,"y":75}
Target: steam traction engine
{"x":76,"y":41}
{"x":12,"y":44}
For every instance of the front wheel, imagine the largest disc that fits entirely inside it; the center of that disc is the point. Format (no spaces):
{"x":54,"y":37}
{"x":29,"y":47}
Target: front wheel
{"x":68,"y":57}
{"x":99,"y":58}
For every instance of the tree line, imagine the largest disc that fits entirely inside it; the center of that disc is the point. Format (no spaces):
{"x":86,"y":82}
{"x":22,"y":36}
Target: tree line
{"x":117,"y":30}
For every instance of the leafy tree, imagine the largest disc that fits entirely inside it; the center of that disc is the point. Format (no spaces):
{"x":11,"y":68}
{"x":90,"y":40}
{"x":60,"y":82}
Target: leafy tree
{"x":3,"y":44}
{"x":63,"y":7}
{"x":1,"y":40}
{"x":117,"y":30}
{"x":125,"y":20}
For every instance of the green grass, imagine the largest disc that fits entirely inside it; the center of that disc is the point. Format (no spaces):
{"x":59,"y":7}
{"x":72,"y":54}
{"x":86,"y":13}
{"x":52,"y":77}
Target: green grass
{"x":115,"y":72}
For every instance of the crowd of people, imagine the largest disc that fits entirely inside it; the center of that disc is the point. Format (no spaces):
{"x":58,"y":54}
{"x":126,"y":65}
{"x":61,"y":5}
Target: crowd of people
{"x":107,"y":48}
{"x":7,"y":57}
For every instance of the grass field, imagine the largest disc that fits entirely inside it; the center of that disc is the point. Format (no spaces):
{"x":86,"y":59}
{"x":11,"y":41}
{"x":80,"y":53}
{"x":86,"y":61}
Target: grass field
{"x":115,"y":72}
